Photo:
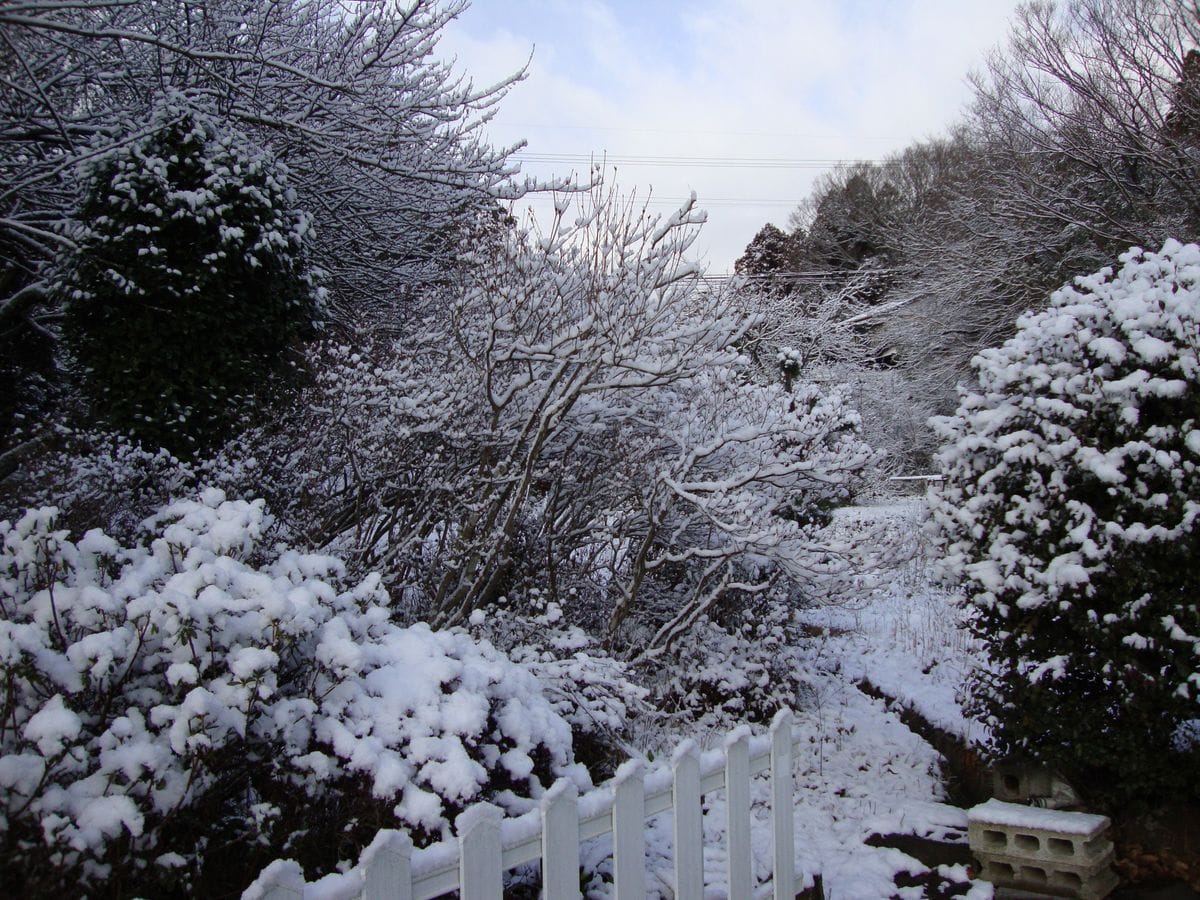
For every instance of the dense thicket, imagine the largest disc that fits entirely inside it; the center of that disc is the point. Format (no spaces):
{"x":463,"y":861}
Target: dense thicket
{"x":533,"y":482}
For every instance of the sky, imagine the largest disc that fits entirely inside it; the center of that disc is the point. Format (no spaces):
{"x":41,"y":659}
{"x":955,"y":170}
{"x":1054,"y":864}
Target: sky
{"x":744,"y":102}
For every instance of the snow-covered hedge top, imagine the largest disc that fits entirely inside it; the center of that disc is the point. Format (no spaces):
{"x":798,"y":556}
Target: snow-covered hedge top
{"x":140,"y":679}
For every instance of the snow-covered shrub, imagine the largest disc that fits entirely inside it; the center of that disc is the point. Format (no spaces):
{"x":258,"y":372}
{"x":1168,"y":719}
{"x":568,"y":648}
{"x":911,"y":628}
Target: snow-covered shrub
{"x":99,"y":479}
{"x":1070,"y":511}
{"x":593,"y":691}
{"x":201,"y":690}
{"x":187,"y":279}
{"x":744,"y":670}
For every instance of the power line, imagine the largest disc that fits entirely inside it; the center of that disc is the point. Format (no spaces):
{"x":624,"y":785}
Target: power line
{"x":711,"y":162}
{"x":703,"y":202}
{"x":627,"y":130}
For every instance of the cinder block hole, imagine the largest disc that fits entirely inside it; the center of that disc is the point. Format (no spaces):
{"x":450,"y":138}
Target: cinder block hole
{"x":1061,"y":847}
{"x":1033,"y":875}
{"x":1068,"y":880}
{"x":1027,"y":842}
{"x":1001,"y":870}
{"x":1012,"y":784}
{"x":995,"y":838}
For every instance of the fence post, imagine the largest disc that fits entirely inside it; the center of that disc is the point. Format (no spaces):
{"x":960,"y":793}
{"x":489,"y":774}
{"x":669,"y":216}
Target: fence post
{"x":782,"y":813}
{"x":629,"y":838}
{"x":480,"y":870}
{"x":560,"y":842}
{"x":388,"y":867}
{"x":689,"y":823}
{"x":737,"y":811}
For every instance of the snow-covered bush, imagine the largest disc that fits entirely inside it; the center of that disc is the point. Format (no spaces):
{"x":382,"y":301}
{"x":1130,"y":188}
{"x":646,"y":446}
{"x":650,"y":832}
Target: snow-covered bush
{"x":591,"y":689}
{"x":202,"y":690}
{"x":187,"y":278}
{"x":1070,"y":511}
{"x":99,"y":479}
{"x":743,"y":670}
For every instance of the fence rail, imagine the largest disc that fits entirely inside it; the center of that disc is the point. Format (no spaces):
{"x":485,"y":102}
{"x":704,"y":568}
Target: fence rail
{"x":488,"y":845}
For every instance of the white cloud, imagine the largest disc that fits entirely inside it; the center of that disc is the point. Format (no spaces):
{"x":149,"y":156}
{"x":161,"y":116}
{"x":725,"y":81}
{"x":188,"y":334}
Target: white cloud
{"x":809,"y":79}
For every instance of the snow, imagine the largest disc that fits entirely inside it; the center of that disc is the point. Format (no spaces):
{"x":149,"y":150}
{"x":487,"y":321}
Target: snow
{"x":287,"y":660}
{"x":1015,"y":815}
{"x":905,"y":635}
{"x":409,"y":709}
{"x":52,"y":726}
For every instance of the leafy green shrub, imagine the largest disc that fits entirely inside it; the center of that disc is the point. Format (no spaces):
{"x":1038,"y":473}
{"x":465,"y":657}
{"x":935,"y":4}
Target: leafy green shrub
{"x":1070,"y":512}
{"x":189,"y":280}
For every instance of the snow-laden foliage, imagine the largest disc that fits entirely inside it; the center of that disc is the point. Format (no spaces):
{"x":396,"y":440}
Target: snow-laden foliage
{"x":202,"y":689}
{"x":583,"y":423}
{"x":742,"y":670}
{"x":188,"y":278}
{"x":99,"y":479}
{"x":594,"y":691}
{"x":1070,"y":511}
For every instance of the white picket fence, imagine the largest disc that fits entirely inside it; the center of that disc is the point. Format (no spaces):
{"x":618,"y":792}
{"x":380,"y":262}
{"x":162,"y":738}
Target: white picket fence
{"x":486,"y":847}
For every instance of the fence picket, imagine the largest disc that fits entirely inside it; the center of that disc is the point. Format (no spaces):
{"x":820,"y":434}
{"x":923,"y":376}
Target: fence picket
{"x":629,"y":838}
{"x":737,"y":812}
{"x":689,"y":824}
{"x":560,"y":842}
{"x":392,"y":870}
{"x":782,"y":823}
{"x":480,"y":872}
{"x":388,"y":867}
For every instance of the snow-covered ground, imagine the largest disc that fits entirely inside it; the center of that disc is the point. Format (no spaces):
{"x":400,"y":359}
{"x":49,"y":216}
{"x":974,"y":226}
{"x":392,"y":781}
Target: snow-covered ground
{"x":868,"y":773}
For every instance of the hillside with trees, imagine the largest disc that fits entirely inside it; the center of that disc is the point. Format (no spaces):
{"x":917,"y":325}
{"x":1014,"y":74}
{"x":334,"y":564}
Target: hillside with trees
{"x":1080,"y":143}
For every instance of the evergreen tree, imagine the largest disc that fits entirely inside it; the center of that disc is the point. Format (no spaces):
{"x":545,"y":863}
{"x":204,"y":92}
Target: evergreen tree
{"x":768,"y":253}
{"x":189,"y":280}
{"x":1072,"y":513}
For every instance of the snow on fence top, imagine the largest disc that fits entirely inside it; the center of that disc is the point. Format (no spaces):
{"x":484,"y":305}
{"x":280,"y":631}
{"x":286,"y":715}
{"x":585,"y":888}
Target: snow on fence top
{"x":486,"y":847}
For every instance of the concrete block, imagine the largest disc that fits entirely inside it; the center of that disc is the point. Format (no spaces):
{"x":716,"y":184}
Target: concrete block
{"x":1042,"y":879}
{"x":1059,"y":853}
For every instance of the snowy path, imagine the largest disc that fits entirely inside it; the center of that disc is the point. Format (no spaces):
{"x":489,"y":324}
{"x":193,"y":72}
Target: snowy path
{"x":867,"y":772}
